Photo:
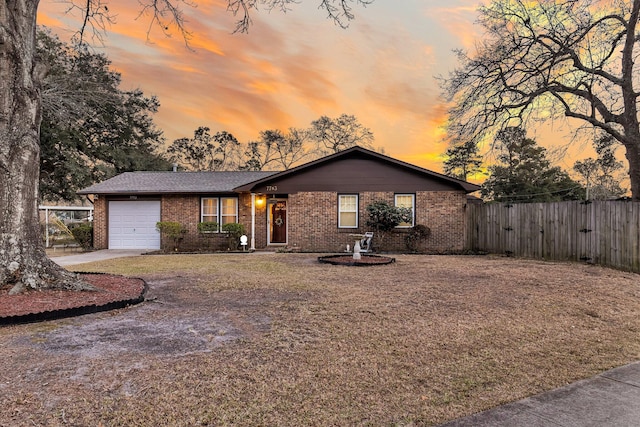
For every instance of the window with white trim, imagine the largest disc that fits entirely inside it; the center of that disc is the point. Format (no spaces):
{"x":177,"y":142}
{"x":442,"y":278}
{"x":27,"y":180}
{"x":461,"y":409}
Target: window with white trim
{"x":221,"y":210}
{"x":348,"y":211}
{"x":228,"y":210}
{"x":406,"y":201}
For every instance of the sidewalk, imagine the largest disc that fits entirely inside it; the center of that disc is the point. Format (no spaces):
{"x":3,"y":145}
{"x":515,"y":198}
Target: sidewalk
{"x":96,"y":256}
{"x":611,"y":399}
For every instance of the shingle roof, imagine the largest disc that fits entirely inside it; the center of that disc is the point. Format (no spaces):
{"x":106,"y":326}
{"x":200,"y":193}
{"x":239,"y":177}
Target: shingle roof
{"x":174,"y":182}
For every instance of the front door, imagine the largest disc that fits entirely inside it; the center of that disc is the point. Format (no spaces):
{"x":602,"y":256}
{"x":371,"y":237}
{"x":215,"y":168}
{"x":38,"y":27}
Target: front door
{"x":277,"y":210}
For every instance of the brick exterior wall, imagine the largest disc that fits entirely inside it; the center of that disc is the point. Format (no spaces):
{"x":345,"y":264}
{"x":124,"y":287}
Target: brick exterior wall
{"x":313,"y":222}
{"x":244,"y":212}
{"x":100,"y":238}
{"x":186,"y":210}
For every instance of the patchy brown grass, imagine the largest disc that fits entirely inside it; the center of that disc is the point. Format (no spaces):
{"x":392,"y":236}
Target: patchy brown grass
{"x":280,"y":339}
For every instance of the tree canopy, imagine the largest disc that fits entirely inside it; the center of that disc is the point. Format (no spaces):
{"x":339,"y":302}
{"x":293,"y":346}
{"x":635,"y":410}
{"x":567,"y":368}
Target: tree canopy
{"x":345,"y":131}
{"x":524,"y":174}
{"x":547,"y":60}
{"x":91,"y":129}
{"x":600,"y":175}
{"x":462,"y":161}
{"x":273,"y":150}
{"x":206,"y":152}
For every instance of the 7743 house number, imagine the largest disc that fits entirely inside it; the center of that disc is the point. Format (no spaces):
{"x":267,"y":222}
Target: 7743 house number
{"x":272,"y":188}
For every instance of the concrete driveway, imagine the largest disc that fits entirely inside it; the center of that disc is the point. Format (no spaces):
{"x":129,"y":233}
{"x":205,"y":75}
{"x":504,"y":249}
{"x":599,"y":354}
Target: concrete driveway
{"x":96,"y":256}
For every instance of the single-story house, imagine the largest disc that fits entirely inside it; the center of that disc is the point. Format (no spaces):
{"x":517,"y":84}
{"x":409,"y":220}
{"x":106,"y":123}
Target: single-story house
{"x":318,"y":206}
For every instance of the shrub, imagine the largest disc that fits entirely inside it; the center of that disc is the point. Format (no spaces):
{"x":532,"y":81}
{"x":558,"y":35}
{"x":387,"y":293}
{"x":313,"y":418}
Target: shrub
{"x":83,"y":234}
{"x":234,"y":231}
{"x":172,"y":230}
{"x":207,"y":227}
{"x":384,"y":217}
{"x":418,"y":234}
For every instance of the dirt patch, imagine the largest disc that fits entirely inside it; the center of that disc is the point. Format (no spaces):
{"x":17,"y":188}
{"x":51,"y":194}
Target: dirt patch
{"x":283,"y":340}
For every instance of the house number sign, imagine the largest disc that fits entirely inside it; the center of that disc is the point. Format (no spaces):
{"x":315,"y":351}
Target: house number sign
{"x":272,"y":188}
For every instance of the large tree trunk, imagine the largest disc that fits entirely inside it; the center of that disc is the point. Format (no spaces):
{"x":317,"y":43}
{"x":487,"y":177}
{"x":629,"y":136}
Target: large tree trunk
{"x":633,"y":157}
{"x":23,"y":261}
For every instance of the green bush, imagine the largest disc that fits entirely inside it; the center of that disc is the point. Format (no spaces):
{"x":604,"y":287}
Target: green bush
{"x":83,"y":234}
{"x":172,"y":230}
{"x":207,"y":227}
{"x":384,"y":217}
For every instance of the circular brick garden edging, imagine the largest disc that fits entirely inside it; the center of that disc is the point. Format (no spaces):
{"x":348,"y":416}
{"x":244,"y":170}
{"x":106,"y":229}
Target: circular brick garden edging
{"x":364,"y":261}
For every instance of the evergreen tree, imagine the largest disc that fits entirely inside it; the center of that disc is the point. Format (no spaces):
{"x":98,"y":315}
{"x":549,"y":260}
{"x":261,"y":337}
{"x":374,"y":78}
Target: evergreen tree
{"x":524,"y":174}
{"x":462,"y":161}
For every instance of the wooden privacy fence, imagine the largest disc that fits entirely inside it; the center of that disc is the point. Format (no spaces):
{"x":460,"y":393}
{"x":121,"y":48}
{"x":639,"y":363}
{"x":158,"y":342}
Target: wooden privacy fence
{"x":601,"y":232}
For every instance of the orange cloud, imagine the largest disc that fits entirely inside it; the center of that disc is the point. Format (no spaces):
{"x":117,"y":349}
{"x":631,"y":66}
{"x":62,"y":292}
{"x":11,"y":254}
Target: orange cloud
{"x":293,"y":68}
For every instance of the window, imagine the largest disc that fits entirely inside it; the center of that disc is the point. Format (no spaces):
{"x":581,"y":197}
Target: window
{"x":406,"y":201}
{"x":209,"y":209}
{"x":228,"y":210}
{"x":223,"y":210}
{"x":348,"y":211}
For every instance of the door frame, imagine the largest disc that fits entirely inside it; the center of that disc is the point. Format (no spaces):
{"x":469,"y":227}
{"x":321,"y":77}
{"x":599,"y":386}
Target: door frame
{"x":271,"y":202}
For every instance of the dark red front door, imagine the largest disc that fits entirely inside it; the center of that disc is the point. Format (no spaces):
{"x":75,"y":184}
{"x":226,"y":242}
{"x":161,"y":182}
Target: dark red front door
{"x":278,"y":216}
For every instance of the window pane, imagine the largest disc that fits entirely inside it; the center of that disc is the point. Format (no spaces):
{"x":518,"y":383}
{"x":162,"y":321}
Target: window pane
{"x":228,"y":219}
{"x":209,"y":209}
{"x":348,"y":219}
{"x":348,"y":211}
{"x":348,"y":203}
{"x":406,"y":201}
{"x":229,"y":209}
{"x":228,"y":206}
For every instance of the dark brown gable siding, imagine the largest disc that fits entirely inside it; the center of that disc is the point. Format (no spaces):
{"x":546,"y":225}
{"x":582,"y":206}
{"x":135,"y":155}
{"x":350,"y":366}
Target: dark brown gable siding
{"x":354,"y":175}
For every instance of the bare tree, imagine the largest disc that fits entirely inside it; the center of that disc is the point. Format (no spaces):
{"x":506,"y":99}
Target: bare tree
{"x":333,"y":135}
{"x":277,"y":149}
{"x":206,"y":152}
{"x":23,"y":261}
{"x":294,"y":149}
{"x":601,"y":175}
{"x":551,"y":59}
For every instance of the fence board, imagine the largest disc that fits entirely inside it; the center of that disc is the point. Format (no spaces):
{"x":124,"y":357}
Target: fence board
{"x":602,"y":232}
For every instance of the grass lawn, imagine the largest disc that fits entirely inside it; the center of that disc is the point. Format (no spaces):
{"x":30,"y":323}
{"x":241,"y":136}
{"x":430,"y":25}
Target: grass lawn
{"x":281,"y":340}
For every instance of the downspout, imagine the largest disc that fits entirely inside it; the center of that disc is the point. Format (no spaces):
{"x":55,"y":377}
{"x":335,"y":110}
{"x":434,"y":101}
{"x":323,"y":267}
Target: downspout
{"x":253,"y":222}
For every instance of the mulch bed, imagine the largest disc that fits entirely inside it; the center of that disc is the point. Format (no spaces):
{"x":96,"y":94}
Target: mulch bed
{"x":364,"y":261}
{"x":112,"y":292}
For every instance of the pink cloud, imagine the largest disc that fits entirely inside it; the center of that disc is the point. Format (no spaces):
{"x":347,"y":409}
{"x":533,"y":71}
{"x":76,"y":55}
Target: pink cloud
{"x":288,"y":71}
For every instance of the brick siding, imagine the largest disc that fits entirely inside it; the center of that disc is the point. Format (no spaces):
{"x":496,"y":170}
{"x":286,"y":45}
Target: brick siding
{"x":186,"y":210}
{"x":100,"y":238}
{"x":313,"y":222}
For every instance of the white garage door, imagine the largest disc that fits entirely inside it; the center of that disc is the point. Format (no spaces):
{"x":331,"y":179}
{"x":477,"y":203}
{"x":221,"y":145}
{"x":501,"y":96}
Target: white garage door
{"x":132,"y":225}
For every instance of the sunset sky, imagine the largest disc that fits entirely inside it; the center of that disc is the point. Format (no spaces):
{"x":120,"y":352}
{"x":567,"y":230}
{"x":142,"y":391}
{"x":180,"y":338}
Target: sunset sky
{"x":293,"y":68}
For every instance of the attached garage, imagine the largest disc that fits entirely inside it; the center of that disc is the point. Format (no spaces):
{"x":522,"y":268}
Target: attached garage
{"x":132,"y":224}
